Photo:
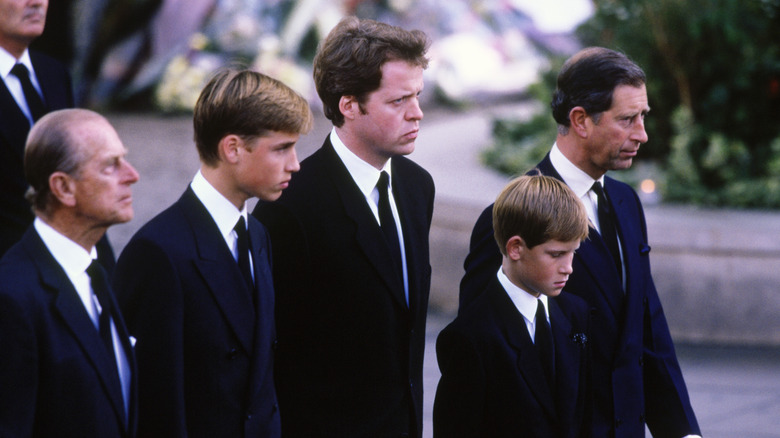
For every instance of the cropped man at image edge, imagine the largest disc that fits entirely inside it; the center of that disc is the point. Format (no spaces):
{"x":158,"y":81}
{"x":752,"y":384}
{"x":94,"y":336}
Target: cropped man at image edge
{"x":600,"y":105}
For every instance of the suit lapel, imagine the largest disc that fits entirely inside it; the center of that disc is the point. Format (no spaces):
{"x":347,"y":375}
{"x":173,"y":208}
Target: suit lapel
{"x":368,"y":235}
{"x":512,"y":323}
{"x":70,"y":307}
{"x":219,"y":270}
{"x":15,"y":125}
{"x":567,"y":363}
{"x":593,"y":255}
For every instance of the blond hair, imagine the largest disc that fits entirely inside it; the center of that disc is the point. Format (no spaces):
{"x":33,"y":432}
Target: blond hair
{"x":247,"y":104}
{"x":538,"y":208}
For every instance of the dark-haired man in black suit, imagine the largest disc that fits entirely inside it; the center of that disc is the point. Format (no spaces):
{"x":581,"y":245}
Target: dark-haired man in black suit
{"x":600,"y":105}
{"x":351,"y":260}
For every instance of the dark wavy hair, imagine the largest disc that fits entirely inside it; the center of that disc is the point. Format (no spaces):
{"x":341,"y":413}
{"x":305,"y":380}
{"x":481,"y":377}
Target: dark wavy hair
{"x":588,"y":79}
{"x":349,"y":61}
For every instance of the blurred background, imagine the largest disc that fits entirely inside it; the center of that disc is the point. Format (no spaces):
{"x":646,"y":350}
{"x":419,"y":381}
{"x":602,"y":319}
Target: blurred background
{"x":709,"y":176}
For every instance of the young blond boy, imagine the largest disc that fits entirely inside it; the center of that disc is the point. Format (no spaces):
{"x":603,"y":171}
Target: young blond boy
{"x":514,"y":363}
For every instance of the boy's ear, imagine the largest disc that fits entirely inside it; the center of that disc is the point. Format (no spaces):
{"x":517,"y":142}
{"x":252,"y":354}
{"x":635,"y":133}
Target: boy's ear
{"x":63,"y":188}
{"x":578,"y":121}
{"x":515,"y":247}
{"x":228,"y":148}
{"x":349,"y":107}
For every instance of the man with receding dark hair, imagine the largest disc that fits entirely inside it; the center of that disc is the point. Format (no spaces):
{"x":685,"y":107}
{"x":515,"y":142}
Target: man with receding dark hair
{"x":600,"y":105}
{"x":351,"y":261}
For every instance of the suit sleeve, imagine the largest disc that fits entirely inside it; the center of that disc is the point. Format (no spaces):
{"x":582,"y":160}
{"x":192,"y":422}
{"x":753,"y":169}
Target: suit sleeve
{"x":483,"y":259}
{"x":459,"y":401}
{"x":150,"y":296}
{"x":667,"y":404}
{"x":18,"y":369}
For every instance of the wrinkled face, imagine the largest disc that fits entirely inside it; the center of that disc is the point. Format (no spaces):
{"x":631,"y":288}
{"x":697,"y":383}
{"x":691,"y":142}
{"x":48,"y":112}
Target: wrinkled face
{"x":543,"y":269}
{"x":388,"y":121}
{"x":613,"y":142}
{"x":21,"y":21}
{"x":102,"y":185}
{"x":266,"y":165}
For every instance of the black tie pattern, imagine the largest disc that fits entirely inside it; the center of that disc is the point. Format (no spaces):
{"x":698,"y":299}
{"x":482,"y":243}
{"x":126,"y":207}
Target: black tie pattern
{"x":544,"y":344}
{"x":387,"y":222}
{"x":243,"y":252}
{"x":607,"y":226}
{"x":34,"y":102}
{"x":100,"y":288}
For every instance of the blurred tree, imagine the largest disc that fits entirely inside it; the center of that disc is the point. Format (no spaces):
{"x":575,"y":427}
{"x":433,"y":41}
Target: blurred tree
{"x":713,"y":70}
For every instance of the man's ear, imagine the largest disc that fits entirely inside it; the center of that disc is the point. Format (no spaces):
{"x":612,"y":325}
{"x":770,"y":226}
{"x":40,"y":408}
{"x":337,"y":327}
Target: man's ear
{"x":349,"y":107}
{"x":515,"y":247}
{"x":63,"y":187}
{"x":228,"y":148}
{"x":578,"y":121}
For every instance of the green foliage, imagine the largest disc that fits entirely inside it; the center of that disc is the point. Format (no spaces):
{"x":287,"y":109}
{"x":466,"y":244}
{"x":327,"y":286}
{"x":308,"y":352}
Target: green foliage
{"x":713,"y":69}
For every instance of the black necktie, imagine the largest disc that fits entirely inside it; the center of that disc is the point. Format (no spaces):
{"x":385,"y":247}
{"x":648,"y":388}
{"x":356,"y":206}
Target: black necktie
{"x":34,"y":102}
{"x":544,"y":344}
{"x":387,"y":222}
{"x":243,"y":252}
{"x":100,"y":288}
{"x":607,"y":225}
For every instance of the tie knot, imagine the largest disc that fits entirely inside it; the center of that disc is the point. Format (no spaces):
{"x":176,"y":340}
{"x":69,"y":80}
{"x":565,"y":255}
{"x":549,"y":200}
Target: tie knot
{"x":540,"y":312}
{"x":20,"y":71}
{"x":96,"y":271}
{"x":598,"y":189}
{"x":384,"y":180}
{"x":240,"y":225}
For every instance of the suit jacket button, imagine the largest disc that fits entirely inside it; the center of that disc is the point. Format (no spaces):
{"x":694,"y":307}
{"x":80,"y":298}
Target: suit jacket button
{"x":641,"y":361}
{"x":232,"y":354}
{"x":618,"y":422}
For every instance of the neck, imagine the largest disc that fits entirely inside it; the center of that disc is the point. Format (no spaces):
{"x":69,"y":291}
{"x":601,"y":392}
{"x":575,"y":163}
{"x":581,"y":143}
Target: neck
{"x":357,"y":147}
{"x":577,"y":154}
{"x":14,"y":47}
{"x":218,"y":178}
{"x":70,"y":227}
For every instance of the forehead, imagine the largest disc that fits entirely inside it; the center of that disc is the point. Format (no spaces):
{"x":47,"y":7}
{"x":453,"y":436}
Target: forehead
{"x":401,"y":75}
{"x":97,"y":139}
{"x":628,"y":98}
{"x":558,"y":246}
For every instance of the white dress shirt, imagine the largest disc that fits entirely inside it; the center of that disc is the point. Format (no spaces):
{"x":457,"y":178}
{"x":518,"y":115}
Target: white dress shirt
{"x":7,"y":62}
{"x":581,"y":183}
{"x":525,"y":303}
{"x":366,"y":177}
{"x":75,"y":260}
{"x":224,"y":213}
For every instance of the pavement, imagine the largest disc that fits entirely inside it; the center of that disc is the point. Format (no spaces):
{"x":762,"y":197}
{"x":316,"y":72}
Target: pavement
{"x":735,"y":391}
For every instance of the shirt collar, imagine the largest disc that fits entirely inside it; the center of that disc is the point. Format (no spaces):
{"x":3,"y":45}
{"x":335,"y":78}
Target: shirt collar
{"x":7,"y":62}
{"x":574,"y":177}
{"x":224,"y":213}
{"x":523,"y":301}
{"x":364,"y":174}
{"x":73,"y":258}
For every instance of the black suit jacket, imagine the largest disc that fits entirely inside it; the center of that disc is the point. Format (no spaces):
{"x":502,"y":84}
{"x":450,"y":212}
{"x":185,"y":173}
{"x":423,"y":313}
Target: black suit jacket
{"x":15,"y":213}
{"x":205,"y":352}
{"x":636,"y":376}
{"x":492,"y":382}
{"x":350,"y":350}
{"x":56,"y":378}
